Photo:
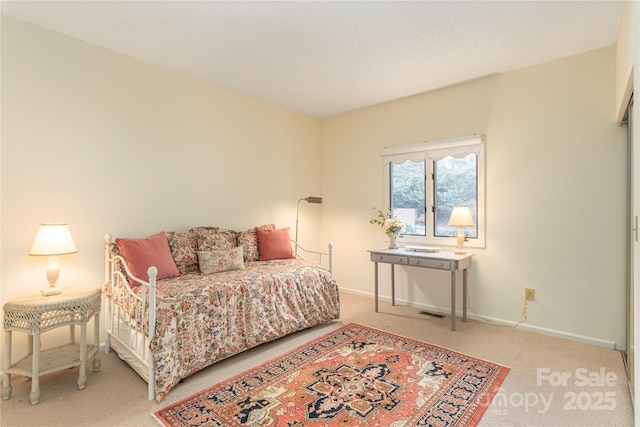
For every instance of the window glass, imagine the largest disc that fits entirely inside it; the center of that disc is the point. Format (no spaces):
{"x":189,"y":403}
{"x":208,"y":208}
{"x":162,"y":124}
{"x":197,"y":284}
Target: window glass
{"x":408,"y":195}
{"x":455,"y":183}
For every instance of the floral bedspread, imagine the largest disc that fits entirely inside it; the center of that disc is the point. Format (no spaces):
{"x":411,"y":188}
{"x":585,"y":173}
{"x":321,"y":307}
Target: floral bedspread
{"x":202,"y":319}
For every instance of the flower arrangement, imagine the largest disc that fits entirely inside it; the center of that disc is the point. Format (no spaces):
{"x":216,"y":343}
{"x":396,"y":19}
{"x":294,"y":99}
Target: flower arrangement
{"x":391,"y":226}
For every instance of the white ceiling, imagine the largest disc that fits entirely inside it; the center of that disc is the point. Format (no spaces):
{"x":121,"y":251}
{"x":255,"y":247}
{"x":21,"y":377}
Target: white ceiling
{"x":323,"y":58}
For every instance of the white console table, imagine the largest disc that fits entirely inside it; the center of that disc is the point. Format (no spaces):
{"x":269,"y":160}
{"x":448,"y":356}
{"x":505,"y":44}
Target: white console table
{"x":447,"y":261}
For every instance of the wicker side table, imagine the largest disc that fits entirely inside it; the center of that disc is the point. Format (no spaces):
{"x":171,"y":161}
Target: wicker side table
{"x":34,"y":314}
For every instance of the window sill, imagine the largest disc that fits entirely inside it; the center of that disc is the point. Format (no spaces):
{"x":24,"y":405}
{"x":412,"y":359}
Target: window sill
{"x":448,"y":242}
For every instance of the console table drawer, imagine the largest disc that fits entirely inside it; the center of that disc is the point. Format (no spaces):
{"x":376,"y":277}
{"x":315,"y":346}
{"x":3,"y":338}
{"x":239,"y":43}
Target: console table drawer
{"x":390,"y":259}
{"x":431,"y":263}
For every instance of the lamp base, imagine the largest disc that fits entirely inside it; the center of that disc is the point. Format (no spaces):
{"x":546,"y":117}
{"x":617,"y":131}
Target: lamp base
{"x":460,"y":238}
{"x":51,"y":292}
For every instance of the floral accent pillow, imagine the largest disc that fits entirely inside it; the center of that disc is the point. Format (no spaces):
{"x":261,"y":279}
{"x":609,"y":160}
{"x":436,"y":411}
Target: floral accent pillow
{"x":220,"y":260}
{"x":203,"y":231}
{"x":249,"y":242}
{"x":118,"y":265}
{"x":219,"y":240}
{"x":184,"y":250}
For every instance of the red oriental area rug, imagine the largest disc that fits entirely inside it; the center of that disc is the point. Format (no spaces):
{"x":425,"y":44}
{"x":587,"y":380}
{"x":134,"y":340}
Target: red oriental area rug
{"x":354,"y":376}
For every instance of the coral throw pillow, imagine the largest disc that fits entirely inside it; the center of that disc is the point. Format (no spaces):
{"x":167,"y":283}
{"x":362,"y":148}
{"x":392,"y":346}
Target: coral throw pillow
{"x":274,"y":244}
{"x":140,"y":254}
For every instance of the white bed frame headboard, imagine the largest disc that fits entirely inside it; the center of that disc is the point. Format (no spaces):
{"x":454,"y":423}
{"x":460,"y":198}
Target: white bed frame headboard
{"x":129,"y":337}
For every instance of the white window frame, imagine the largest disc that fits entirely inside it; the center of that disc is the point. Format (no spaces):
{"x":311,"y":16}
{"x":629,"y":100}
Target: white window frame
{"x":432,"y":151}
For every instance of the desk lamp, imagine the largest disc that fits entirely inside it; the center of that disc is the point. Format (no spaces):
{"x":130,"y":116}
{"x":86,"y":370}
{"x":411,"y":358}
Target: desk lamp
{"x":461,"y":217}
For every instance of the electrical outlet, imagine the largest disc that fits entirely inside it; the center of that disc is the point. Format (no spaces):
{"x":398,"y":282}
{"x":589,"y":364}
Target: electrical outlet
{"x":529,"y":294}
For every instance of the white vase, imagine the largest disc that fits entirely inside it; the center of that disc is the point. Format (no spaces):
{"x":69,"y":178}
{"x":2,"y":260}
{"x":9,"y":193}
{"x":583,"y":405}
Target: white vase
{"x":393,"y":241}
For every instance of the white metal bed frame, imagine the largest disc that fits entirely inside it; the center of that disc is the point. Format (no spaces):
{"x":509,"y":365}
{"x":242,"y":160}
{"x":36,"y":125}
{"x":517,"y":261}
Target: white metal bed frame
{"x":125,"y":333}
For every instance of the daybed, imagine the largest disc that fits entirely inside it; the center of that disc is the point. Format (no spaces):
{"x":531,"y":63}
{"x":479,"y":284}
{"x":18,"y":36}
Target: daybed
{"x":179,"y":302}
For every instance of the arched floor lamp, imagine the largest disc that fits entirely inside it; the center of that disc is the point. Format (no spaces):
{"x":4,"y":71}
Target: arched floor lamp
{"x":310,"y":199}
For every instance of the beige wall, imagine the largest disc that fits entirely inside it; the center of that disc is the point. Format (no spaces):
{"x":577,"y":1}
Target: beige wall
{"x":555,"y":194}
{"x":111,"y":144}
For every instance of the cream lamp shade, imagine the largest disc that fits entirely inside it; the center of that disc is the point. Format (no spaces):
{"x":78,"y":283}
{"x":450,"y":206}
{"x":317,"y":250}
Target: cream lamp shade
{"x":53,"y":239}
{"x":461,"y":217}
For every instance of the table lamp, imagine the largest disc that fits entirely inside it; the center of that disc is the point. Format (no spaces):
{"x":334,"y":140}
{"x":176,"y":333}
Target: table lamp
{"x":461,"y":217}
{"x":53,"y":239}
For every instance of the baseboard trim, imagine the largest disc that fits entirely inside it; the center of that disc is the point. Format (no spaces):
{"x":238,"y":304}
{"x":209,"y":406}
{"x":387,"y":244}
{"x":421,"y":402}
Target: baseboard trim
{"x":494,"y":320}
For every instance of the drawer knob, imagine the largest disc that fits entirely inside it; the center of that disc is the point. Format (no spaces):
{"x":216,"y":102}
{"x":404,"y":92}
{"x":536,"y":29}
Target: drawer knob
{"x":399,"y":259}
{"x":379,"y":256}
{"x":440,"y":264}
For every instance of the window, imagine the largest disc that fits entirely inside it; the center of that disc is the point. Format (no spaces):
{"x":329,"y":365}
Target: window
{"x":425,"y":181}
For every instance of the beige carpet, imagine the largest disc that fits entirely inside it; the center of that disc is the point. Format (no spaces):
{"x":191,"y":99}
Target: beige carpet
{"x":552,"y":382}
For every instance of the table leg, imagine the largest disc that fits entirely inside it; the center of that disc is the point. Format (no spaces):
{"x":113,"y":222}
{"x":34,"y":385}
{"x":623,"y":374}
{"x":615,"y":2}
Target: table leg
{"x":82,"y":377}
{"x":6,"y":363}
{"x":393,"y":285}
{"x":34,"y":396}
{"x":376,"y":285}
{"x":453,"y":300}
{"x":464,"y":295}
{"x":96,"y":342}
{"x":30,"y":347}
